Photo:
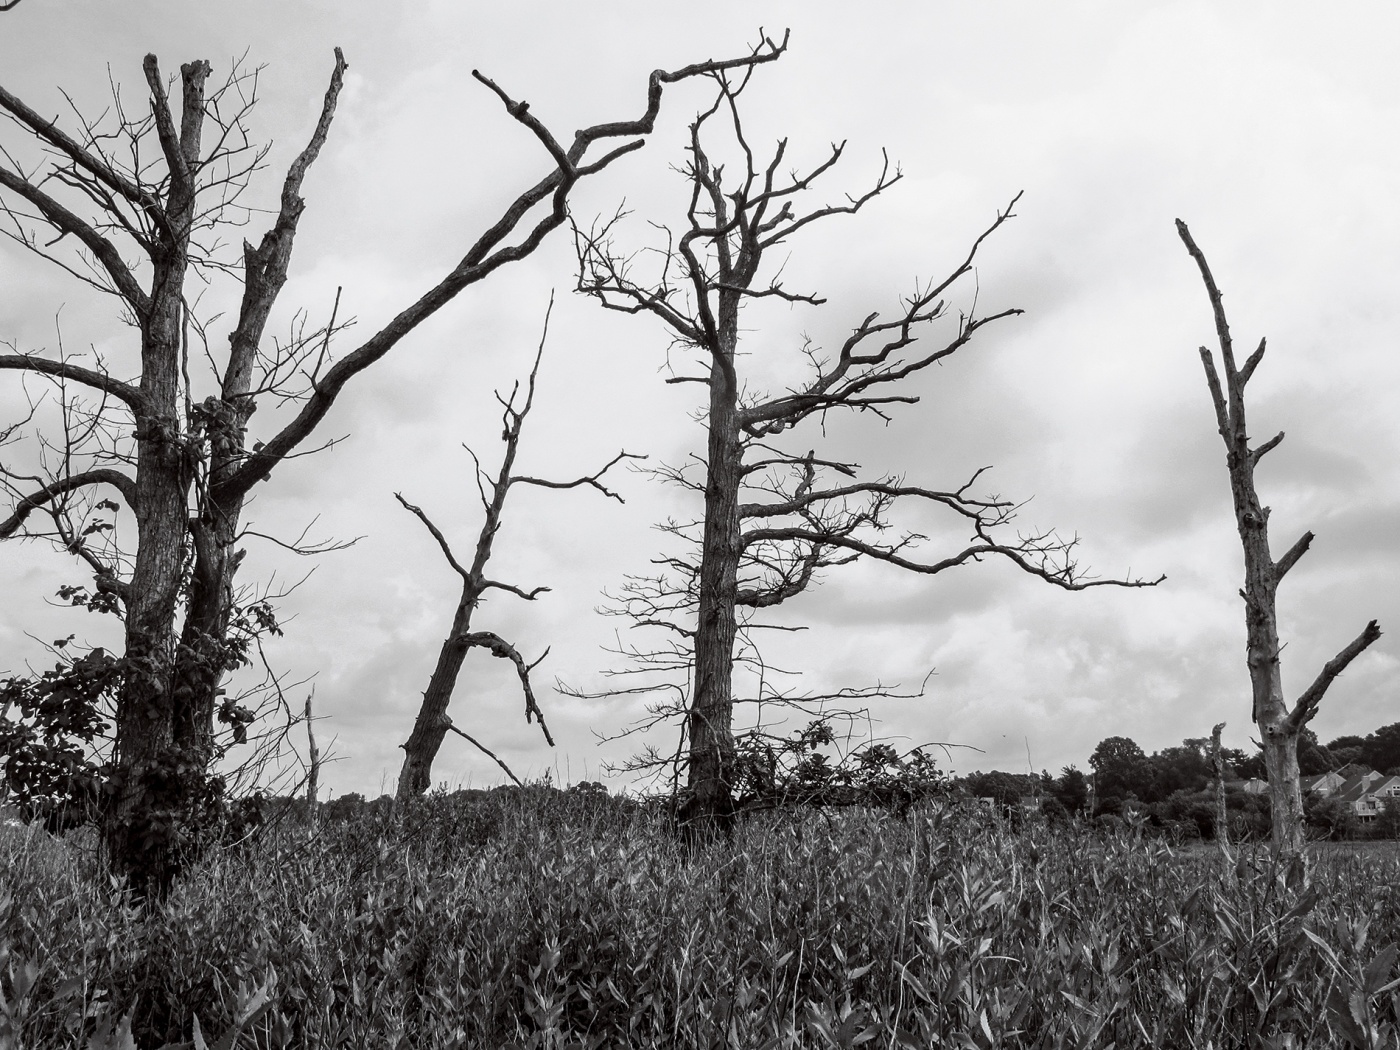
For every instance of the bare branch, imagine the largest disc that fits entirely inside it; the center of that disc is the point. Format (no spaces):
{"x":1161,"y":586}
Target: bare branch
{"x":1306,"y":706}
{"x":489,"y":253}
{"x":529,"y":595}
{"x":102,"y":381}
{"x":591,"y":480}
{"x":1217,"y":397}
{"x":97,"y":476}
{"x":956,"y":501}
{"x":1222,"y":326}
{"x":1263,"y":450}
{"x":66,"y":222}
{"x":499,"y":647}
{"x":1252,"y":363}
{"x":49,"y":132}
{"x":437,"y":535}
{"x":265,"y":268}
{"x":483,"y":749}
{"x":1063,"y":575}
{"x":1291,"y":556}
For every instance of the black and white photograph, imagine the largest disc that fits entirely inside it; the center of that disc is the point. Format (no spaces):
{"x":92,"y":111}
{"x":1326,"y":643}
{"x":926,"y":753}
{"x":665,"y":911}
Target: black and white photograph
{"x":753,"y":525}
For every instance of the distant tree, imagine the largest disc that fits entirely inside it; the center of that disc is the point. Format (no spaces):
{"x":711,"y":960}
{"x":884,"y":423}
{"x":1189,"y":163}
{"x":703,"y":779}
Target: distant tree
{"x":1120,"y":769}
{"x":1388,"y":822}
{"x":1071,"y":788}
{"x":1345,"y":742}
{"x":1313,"y":758}
{"x":1330,"y":818}
{"x":1382,"y":748}
{"x":1279,"y":725}
{"x":1251,"y":767}
{"x":1183,"y":768}
{"x":1347,"y":756}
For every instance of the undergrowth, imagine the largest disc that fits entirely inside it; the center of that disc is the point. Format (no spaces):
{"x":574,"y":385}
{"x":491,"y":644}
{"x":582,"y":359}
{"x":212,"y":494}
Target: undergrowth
{"x":537,"y":919}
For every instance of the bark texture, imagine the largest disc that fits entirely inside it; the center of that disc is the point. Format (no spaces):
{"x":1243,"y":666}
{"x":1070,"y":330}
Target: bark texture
{"x":1279,"y":724}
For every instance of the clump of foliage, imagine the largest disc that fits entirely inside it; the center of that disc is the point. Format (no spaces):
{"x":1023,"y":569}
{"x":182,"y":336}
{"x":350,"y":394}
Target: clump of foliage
{"x":50,"y":727}
{"x":56,"y":740}
{"x":800,"y":771}
{"x":540,"y":918}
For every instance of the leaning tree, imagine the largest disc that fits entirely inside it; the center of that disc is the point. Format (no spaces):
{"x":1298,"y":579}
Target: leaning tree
{"x":433,"y":723}
{"x":1280,"y":725}
{"x":136,"y":205}
{"x":774,"y":516}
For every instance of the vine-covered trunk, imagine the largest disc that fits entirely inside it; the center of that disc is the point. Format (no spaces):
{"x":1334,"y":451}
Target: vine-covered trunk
{"x":157,"y":775}
{"x":153,"y":768}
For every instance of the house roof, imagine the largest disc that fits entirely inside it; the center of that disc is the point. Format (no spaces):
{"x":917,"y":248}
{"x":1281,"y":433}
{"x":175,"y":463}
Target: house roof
{"x":1353,"y":769}
{"x":1358,"y":787}
{"x":1384,"y":785}
{"x":1313,"y":782}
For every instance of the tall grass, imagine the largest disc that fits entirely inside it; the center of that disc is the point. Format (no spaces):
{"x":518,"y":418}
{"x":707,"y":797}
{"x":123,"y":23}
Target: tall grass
{"x":535,"y":919}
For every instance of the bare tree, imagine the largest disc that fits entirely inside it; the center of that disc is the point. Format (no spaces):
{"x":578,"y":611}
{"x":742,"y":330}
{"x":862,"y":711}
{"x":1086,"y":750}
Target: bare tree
{"x":1222,"y":815}
{"x":1279,"y":725}
{"x":313,"y":763}
{"x":141,"y":203}
{"x":772,"y":519}
{"x":433,"y":722}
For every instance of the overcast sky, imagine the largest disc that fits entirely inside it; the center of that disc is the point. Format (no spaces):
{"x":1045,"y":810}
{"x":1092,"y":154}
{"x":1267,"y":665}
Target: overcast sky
{"x":1268,"y":127}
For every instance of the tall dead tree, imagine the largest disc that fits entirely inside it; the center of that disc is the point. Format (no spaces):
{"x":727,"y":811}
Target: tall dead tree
{"x":142,"y":202}
{"x":433,"y":723}
{"x":1279,"y":724}
{"x":773,"y":519}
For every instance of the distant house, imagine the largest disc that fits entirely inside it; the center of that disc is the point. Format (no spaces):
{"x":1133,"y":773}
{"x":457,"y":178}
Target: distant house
{"x":1324,"y":784}
{"x":1366,"y":794}
{"x":1252,"y":786}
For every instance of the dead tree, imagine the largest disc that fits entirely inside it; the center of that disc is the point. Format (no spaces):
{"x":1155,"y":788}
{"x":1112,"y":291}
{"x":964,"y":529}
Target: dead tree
{"x":313,"y":763}
{"x":1222,"y":815}
{"x":773,"y":519}
{"x":433,"y":722}
{"x":143,"y":202}
{"x":1279,"y":725}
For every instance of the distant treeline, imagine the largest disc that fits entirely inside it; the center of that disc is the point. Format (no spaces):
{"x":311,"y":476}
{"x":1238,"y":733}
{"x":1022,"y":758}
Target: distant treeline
{"x":1171,"y":788}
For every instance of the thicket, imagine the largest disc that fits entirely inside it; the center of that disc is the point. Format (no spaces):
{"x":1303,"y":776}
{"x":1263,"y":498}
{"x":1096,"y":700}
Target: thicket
{"x":538,"y":918}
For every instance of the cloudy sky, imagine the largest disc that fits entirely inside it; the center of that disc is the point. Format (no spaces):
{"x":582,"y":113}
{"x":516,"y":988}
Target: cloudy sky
{"x":1268,"y":127}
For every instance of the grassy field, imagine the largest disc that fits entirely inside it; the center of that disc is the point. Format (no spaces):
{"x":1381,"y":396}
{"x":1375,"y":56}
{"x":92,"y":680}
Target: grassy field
{"x":530,"y":918}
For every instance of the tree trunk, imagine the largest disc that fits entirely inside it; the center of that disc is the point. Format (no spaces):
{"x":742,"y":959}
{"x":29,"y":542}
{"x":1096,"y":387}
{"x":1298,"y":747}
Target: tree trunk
{"x":1277,"y":730}
{"x":154,"y":774}
{"x":430,"y":727}
{"x":313,"y":764}
{"x":710,"y":804}
{"x":1222,"y":815}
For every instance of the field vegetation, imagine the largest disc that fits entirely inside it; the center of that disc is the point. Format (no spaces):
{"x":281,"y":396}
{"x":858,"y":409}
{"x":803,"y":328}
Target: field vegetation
{"x":531,"y":917}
